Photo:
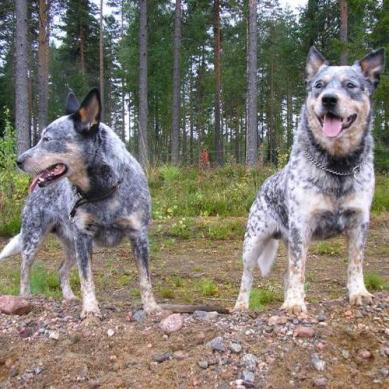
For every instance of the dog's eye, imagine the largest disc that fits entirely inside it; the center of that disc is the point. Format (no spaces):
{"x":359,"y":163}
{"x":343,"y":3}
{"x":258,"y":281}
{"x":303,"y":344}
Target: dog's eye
{"x":351,"y":85}
{"x":319,"y":85}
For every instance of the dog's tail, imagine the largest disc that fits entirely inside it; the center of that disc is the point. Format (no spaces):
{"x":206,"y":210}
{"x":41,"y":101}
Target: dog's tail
{"x":267,"y":256}
{"x":13,"y":247}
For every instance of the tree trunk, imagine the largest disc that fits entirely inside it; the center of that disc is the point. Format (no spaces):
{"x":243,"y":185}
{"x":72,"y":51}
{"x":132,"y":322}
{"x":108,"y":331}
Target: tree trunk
{"x":143,"y":104}
{"x":343,"y":31}
{"x":43,"y":65}
{"x":82,"y":51}
{"x":21,"y":78}
{"x":217,"y":54}
{"x":176,"y":86}
{"x":252,"y":137}
{"x":123,"y":94}
{"x":101,"y":65}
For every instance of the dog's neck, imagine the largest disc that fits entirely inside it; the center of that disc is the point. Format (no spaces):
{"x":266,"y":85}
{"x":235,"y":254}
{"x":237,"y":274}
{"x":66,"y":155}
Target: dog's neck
{"x":308,"y":144}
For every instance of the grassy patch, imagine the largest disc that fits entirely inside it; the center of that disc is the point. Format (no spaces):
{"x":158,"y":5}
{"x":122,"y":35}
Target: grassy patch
{"x":374,"y":281}
{"x":207,"y":287}
{"x":166,"y":292}
{"x":259,"y":298}
{"x":330,"y":248}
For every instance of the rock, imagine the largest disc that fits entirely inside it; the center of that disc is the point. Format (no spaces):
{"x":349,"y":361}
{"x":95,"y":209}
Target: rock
{"x":386,"y":332}
{"x":180,"y":355}
{"x":318,"y":363}
{"x":273,"y":320}
{"x":203,"y":364}
{"x":13,"y":372}
{"x":205,"y":316}
{"x":249,"y":361}
{"x":248,"y":377}
{"x":172,"y":323}
{"x":94,"y":384}
{"x":364,"y":354}
{"x":13,"y":305}
{"x":384,"y":350}
{"x":54,"y":335}
{"x":320,"y":382}
{"x":217,"y":344}
{"x":322,"y":317}
{"x":304,"y":332}
{"x":345,"y":354}
{"x":110,"y":332}
{"x":235,"y":347}
{"x":25,"y":332}
{"x":162,"y":357}
{"x":384,"y":372}
{"x":139,"y":316}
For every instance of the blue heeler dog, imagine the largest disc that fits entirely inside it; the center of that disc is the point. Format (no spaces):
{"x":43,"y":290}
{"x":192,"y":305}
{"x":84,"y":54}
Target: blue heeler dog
{"x":103,"y":199}
{"x":327,"y":186}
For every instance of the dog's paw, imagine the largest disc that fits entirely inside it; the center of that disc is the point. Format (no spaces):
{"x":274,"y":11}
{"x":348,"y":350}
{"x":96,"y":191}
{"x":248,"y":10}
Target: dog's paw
{"x":91,"y":313}
{"x":361,"y":298}
{"x":240,"y":308}
{"x":294,"y":308}
{"x":152,"y":309}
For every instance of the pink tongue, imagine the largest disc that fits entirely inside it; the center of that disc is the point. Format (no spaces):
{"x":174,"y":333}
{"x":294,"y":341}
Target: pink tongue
{"x":332,"y":126}
{"x":33,"y":184}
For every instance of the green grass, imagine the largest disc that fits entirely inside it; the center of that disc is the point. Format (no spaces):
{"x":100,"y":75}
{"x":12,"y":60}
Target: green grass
{"x":207,"y":287}
{"x":260,"y":297}
{"x":375,"y":282}
{"x":330,"y":248}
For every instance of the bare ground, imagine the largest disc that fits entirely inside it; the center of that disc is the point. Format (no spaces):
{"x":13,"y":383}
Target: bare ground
{"x":51,"y":347}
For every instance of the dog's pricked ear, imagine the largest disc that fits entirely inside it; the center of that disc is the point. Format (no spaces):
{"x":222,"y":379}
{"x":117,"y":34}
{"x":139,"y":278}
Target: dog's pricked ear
{"x":372,"y":65}
{"x":72,"y":104}
{"x":88,"y":115}
{"x":315,"y":61}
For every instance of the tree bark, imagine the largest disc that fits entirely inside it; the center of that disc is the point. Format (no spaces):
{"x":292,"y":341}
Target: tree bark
{"x":217,"y":57}
{"x":101,"y":55}
{"x":143,"y":103}
{"x":343,"y":31}
{"x":43,"y":65}
{"x":21,"y":78}
{"x":176,"y":86}
{"x":82,"y":51}
{"x":252,"y":137}
{"x":123,"y":94}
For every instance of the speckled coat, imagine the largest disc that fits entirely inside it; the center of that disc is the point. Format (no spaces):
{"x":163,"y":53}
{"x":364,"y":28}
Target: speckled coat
{"x":325,"y":189}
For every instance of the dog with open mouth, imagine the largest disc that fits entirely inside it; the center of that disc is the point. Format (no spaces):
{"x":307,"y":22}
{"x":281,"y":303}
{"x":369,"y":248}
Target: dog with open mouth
{"x":91,"y":191}
{"x":327,"y":186}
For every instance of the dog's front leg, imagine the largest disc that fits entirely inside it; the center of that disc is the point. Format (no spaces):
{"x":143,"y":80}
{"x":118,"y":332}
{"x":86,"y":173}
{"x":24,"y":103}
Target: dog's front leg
{"x":83,"y":245}
{"x":357,"y":291}
{"x":295,"y":276}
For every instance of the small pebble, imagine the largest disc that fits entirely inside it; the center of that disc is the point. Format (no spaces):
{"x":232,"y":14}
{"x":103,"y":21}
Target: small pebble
{"x":318,"y":363}
{"x":203,"y":364}
{"x":248,"y":376}
{"x":320,"y":382}
{"x":110,"y":332}
{"x":304,"y":332}
{"x":217,"y":344}
{"x":249,"y":361}
{"x":235,"y":347}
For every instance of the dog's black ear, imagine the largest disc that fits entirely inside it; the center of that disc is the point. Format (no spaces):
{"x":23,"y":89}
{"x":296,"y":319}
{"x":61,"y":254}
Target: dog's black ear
{"x":72,"y":104}
{"x":315,"y":61}
{"x":87,"y":117}
{"x":372,"y":65}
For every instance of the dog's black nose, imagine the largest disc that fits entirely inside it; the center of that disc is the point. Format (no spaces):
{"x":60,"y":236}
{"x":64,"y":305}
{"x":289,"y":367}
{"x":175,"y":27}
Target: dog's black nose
{"x":329,"y":101}
{"x":19,"y":162}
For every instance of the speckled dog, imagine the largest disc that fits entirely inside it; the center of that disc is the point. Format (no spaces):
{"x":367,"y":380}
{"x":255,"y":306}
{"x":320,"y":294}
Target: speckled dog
{"x":327,"y":186}
{"x":104,"y":198}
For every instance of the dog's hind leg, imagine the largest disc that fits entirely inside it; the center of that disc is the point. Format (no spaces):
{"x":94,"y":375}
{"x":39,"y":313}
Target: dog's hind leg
{"x":65,"y":267}
{"x":32,"y":239}
{"x":357,"y":291}
{"x":140,"y":247}
{"x":83,"y":247}
{"x":259,"y":248}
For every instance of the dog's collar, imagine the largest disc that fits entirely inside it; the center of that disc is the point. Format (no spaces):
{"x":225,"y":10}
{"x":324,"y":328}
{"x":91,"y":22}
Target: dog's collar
{"x":83,"y":198}
{"x":352,"y":172}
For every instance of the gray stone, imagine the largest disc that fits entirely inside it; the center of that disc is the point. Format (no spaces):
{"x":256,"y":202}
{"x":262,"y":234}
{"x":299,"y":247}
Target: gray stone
{"x":162,"y":357}
{"x":320,"y":382}
{"x":249,"y":361}
{"x":217,"y":344}
{"x":248,"y":376}
{"x":203,"y":364}
{"x":235,"y":347}
{"x":318,"y":363}
{"x":139,"y":315}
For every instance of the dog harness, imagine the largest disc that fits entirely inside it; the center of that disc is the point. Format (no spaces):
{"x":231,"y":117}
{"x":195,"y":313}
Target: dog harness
{"x":353,"y":172}
{"x":83,"y":199}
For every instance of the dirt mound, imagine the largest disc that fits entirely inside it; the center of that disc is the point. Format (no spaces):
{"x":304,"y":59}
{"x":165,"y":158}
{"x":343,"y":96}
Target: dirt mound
{"x":335,"y":346}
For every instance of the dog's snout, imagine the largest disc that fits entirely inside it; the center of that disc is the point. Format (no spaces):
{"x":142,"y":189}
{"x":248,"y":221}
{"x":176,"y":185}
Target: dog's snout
{"x":329,"y":100}
{"x":19,"y":162}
